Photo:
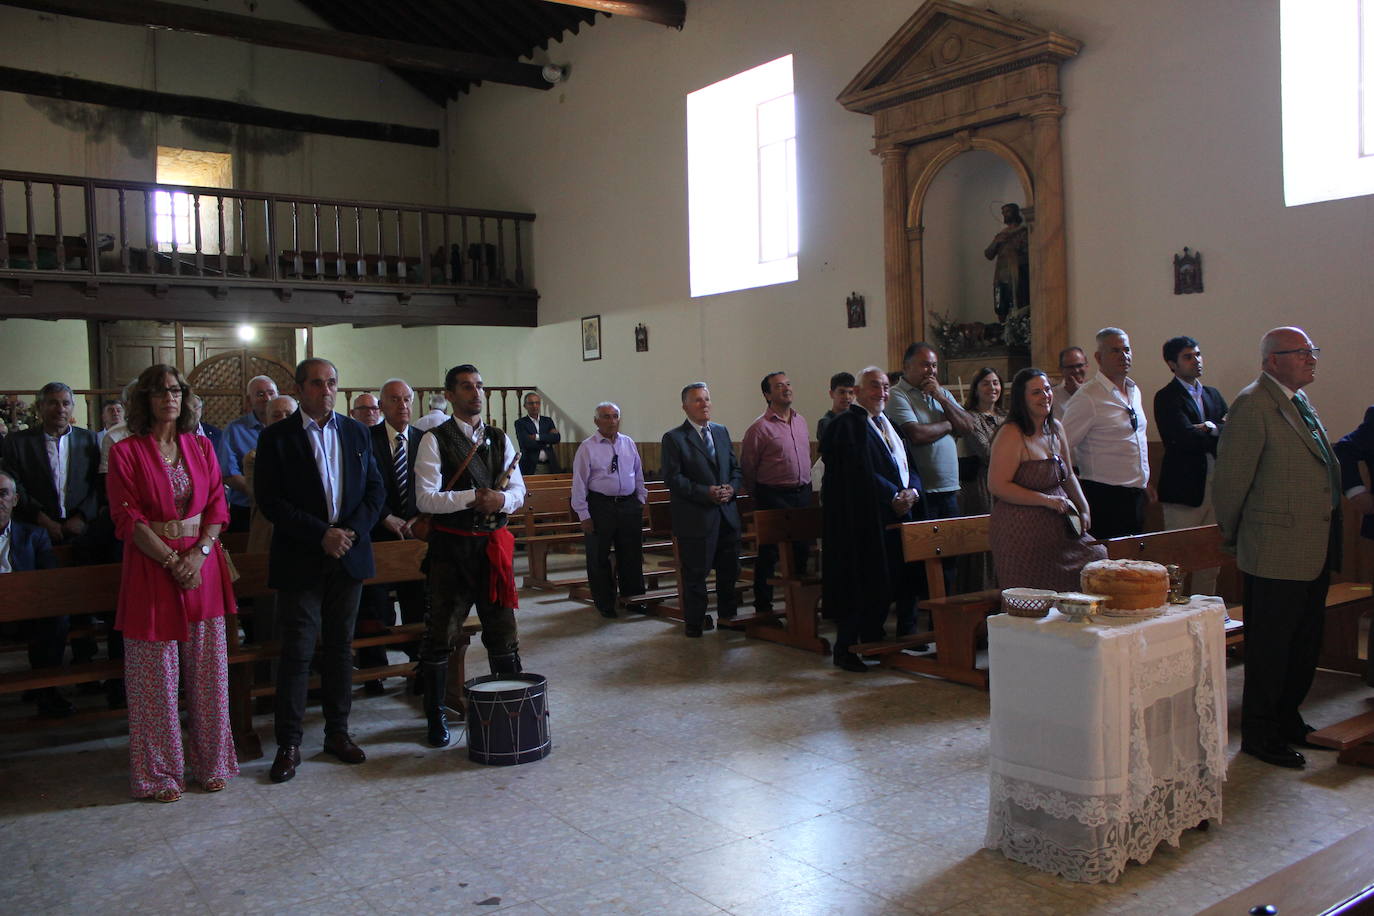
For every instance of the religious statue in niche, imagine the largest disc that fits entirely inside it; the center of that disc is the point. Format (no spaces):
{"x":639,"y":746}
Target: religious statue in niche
{"x":1010,"y":249}
{"x":1187,"y":272}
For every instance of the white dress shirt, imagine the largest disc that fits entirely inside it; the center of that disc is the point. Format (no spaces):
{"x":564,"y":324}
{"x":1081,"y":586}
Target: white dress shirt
{"x":327,"y":447}
{"x":430,"y":420}
{"x":429,"y":493}
{"x":1061,"y":401}
{"x":888,"y":433}
{"x":5,"y":565}
{"x":1098,"y":425}
{"x":59,"y":458}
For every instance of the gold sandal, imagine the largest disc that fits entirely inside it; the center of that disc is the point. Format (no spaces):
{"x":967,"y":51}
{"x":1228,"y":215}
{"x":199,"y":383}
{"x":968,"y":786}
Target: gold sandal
{"x":214,"y":784}
{"x":166,"y":796}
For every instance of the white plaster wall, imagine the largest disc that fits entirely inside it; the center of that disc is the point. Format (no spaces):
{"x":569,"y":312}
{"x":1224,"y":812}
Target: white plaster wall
{"x":1171,"y":139}
{"x":33,"y":353}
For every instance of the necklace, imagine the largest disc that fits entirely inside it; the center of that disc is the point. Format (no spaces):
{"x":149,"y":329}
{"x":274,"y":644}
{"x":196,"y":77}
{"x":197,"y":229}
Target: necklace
{"x":171,"y":459}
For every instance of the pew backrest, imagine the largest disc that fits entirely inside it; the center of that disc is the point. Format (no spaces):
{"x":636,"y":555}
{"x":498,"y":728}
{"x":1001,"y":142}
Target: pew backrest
{"x":931,"y":542}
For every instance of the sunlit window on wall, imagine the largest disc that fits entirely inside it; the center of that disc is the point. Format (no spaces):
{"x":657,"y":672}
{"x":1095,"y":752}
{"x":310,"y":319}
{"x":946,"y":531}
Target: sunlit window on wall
{"x":742,"y":181}
{"x":1328,"y":99}
{"x":175,"y":211}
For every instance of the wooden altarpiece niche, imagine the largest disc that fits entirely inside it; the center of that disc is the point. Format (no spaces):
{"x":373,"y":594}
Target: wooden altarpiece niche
{"x":954,"y":79}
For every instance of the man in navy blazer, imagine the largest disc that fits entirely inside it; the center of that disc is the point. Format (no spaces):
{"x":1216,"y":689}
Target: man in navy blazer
{"x":1189,"y":416}
{"x":30,"y":454}
{"x":536,"y":435}
{"x":24,"y":548}
{"x":702,"y":476}
{"x":1352,"y":449}
{"x":316,"y":480}
{"x":395,"y":442}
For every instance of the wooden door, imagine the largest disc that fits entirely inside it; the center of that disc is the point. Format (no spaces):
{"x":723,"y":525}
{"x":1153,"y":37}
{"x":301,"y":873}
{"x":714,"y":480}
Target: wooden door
{"x":126,"y":348}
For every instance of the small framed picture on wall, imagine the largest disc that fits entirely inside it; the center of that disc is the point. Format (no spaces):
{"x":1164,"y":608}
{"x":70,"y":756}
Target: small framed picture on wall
{"x":591,"y":337}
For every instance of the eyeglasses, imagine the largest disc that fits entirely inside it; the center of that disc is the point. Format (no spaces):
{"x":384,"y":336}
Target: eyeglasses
{"x":1135,"y":421}
{"x":615,"y":463}
{"x":177,"y":391}
{"x":1304,"y":352}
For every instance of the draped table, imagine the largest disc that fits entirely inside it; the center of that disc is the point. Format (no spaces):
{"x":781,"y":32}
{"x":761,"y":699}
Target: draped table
{"x":1106,"y":737}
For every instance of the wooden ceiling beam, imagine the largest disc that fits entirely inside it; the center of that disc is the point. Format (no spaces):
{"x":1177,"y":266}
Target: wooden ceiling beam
{"x":665,"y":12}
{"x":273,"y":34}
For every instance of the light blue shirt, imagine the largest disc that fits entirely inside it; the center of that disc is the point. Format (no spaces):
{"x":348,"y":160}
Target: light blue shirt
{"x":324,"y":442}
{"x":240,"y":437}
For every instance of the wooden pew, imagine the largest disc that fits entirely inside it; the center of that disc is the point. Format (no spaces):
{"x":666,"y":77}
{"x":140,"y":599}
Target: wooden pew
{"x":957,"y":621}
{"x":666,"y":602}
{"x":1351,"y":737}
{"x":1335,"y":880}
{"x":801,"y":593}
{"x":94,"y":589}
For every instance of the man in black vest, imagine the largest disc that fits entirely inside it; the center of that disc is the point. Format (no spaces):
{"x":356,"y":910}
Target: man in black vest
{"x":471,"y":551}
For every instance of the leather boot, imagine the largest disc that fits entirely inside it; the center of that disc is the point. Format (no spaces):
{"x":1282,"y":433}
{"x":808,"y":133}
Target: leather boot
{"x":505,"y":664}
{"x":436,"y":682}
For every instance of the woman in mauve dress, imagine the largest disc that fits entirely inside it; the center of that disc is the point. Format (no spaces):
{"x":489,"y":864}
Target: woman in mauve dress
{"x":1030,"y":475}
{"x":167,"y":502}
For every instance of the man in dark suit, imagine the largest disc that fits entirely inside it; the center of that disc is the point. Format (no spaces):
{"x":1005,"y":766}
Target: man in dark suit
{"x":315,"y":479}
{"x":56,"y":464}
{"x":1189,"y":415}
{"x":1277,"y":496}
{"x":868,"y":486}
{"x":1354,"y":448}
{"x":537,"y":437}
{"x":24,"y":548}
{"x":703,"y":475}
{"x":395,"y":444}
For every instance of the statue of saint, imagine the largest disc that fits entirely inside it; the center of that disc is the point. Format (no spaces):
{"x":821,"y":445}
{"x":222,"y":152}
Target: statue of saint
{"x":1011,"y":274}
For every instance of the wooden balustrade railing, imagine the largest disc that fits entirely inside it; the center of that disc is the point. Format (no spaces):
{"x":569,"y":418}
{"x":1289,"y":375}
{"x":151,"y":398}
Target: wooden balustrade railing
{"x":103,"y":227}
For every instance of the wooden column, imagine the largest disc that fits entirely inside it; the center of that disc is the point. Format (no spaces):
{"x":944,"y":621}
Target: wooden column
{"x":1049,"y":261}
{"x":897,"y":256}
{"x":181,"y":347}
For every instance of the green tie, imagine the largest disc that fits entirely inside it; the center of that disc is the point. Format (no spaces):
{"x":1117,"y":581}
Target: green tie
{"x":1313,"y":427}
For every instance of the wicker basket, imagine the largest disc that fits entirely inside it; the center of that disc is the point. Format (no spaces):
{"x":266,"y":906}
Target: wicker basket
{"x":1027,"y":602}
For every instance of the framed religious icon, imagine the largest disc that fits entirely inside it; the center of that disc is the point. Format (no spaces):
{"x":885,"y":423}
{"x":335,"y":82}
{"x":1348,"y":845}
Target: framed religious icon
{"x":591,"y":337}
{"x":1187,"y":272}
{"x":641,"y":339}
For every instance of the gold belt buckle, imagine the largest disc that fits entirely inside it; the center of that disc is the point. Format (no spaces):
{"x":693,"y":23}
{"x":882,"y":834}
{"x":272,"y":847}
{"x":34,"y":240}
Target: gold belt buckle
{"x":172,"y":529}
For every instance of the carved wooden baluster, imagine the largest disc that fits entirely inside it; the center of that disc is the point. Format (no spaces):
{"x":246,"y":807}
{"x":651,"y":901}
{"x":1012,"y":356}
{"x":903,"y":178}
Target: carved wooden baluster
{"x":176,"y":247}
{"x":297,"y":262}
{"x":400,"y":248}
{"x":426,"y":273}
{"x":123,"y":232}
{"x":197,"y":237}
{"x":4,"y":233}
{"x":57,"y":226}
{"x":92,"y":240}
{"x":319,"y":255}
{"x":519,"y":263}
{"x":242,"y":212}
{"x":269,"y":206}
{"x":381,"y":248}
{"x":500,"y":251}
{"x":219,"y":223}
{"x":150,"y":227}
{"x":358,"y":241}
{"x":463,"y":252}
{"x":338,"y":243}
{"x":28,"y":214}
{"x":483,"y":273}
{"x":447,"y":258}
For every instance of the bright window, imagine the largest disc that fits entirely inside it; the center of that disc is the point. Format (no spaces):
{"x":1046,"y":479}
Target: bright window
{"x":742,"y":181}
{"x":175,"y":211}
{"x":1328,"y":99}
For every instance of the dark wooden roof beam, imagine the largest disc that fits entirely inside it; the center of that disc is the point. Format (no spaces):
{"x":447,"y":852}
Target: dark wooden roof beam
{"x":398,"y":54}
{"x":665,"y":12}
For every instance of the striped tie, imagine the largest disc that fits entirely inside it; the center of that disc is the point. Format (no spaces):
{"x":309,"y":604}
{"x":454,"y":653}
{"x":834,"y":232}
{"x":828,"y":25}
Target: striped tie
{"x":402,"y":482}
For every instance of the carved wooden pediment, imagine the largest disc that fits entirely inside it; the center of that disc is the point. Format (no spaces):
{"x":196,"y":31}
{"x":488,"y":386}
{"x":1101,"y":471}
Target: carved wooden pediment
{"x":945,"y":44}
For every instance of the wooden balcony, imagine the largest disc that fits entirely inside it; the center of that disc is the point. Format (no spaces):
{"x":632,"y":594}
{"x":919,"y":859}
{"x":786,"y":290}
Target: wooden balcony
{"x":168,"y":252}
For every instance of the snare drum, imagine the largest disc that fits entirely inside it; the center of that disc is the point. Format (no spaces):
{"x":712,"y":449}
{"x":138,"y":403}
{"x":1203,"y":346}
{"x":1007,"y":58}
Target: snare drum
{"x":508,"y":719}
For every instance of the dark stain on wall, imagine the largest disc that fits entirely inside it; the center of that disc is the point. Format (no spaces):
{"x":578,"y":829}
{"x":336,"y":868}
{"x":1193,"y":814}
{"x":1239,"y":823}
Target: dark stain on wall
{"x":131,"y":129}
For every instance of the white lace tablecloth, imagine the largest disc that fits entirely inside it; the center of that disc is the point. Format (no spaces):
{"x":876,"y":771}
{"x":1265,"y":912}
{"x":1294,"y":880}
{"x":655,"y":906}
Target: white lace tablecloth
{"x":1107,"y":737}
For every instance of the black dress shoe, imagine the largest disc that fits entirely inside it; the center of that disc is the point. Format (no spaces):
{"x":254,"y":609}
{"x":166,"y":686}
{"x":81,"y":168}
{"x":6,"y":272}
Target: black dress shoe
{"x":728,"y":615}
{"x":374,"y":688}
{"x":1274,"y":752}
{"x":707,"y":623}
{"x":607,"y":612}
{"x":285,"y":763}
{"x":637,"y":608}
{"x":851,"y":662}
{"x":341,"y":745}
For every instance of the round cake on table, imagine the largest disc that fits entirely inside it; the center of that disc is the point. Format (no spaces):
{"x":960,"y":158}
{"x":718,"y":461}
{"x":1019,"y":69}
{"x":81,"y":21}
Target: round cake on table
{"x":1134,"y":588}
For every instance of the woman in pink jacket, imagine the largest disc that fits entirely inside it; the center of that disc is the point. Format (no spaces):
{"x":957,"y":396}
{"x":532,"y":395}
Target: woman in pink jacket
{"x":167,"y":502}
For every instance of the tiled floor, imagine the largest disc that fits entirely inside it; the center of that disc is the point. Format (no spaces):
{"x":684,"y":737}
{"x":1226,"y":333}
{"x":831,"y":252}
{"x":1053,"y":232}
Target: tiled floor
{"x":687,"y":777}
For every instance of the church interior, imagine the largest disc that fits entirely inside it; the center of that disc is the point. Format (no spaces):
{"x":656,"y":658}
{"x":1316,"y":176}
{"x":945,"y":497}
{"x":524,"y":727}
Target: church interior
{"x":477,"y":184}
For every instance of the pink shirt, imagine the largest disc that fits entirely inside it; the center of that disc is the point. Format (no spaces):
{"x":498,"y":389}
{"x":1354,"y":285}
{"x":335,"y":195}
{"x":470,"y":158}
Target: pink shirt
{"x":776,"y":452}
{"x":151,"y":606}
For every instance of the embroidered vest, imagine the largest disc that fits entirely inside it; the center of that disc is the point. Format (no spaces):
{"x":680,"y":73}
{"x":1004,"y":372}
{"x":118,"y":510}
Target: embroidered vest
{"x":482,"y":471}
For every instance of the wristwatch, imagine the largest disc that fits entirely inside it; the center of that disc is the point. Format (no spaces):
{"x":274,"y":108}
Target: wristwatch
{"x":205,"y":549}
